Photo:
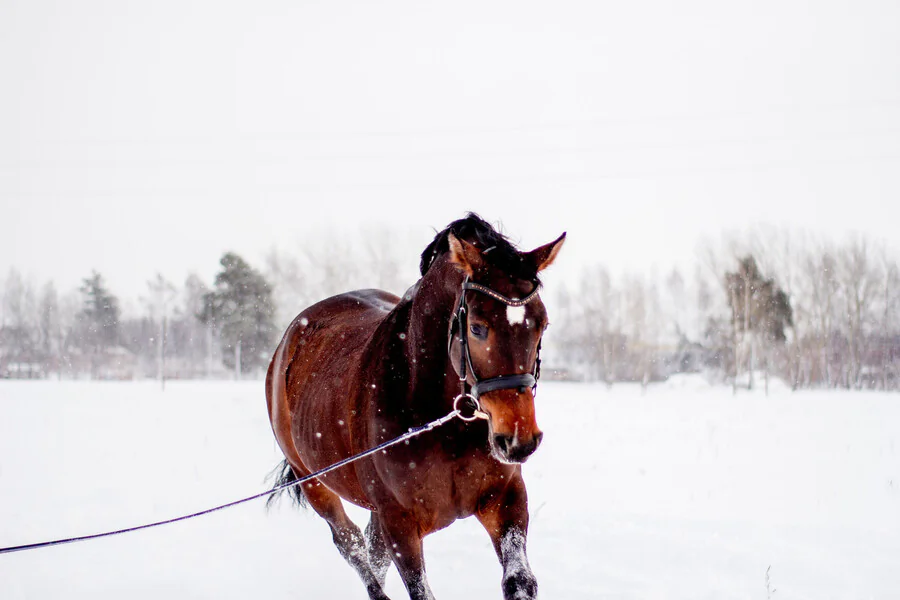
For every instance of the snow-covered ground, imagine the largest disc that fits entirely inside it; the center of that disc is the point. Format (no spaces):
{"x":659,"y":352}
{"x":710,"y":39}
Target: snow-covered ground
{"x":686,"y":492}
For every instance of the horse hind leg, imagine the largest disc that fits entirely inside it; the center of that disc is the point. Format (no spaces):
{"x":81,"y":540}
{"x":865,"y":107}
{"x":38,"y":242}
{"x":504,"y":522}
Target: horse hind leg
{"x":379,"y":556}
{"x":346,"y":535}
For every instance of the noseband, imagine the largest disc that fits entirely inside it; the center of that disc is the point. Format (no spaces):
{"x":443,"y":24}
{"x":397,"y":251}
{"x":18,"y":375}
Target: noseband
{"x":502,"y":382}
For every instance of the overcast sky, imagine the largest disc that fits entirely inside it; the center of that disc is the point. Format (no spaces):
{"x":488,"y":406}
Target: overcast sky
{"x":138,"y":137}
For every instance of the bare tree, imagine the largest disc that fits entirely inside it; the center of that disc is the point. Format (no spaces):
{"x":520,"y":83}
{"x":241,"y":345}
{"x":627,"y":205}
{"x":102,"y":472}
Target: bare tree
{"x":583,"y":329}
{"x":889,"y":297}
{"x":293,"y":286}
{"x":858,"y":285}
{"x":203,"y":344}
{"x":50,"y":331}
{"x":19,"y":328}
{"x":821,"y":278}
{"x":635,"y":327}
{"x":160,"y":302}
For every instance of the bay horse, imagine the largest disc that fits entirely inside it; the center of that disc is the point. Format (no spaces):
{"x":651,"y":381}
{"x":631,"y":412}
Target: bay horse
{"x":364,"y":367}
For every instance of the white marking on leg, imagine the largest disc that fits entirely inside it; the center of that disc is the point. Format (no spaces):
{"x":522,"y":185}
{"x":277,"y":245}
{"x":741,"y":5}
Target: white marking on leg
{"x":515,"y":561}
{"x":512,"y":548}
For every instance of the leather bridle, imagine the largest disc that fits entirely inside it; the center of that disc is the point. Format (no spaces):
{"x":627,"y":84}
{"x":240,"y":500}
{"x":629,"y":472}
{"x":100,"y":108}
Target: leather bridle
{"x":460,"y":323}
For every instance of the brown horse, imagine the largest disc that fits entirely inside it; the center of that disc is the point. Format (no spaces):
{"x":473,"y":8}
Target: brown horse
{"x":363,"y":367}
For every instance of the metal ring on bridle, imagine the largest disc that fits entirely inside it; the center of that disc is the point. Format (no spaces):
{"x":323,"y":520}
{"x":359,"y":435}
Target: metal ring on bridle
{"x":477,"y":413}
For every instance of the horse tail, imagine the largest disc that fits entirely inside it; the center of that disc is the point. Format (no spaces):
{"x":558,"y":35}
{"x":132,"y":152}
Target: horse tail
{"x":283,"y":475}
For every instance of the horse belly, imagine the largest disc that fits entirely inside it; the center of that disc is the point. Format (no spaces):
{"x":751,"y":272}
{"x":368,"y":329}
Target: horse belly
{"x":323,"y":349}
{"x":321,"y":410}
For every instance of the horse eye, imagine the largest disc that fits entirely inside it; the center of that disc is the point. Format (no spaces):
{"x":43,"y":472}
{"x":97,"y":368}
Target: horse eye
{"x":479,"y":331}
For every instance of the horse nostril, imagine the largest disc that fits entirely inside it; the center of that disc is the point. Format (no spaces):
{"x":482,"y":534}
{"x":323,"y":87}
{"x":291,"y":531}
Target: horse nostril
{"x":503,"y":442}
{"x":537,"y":439}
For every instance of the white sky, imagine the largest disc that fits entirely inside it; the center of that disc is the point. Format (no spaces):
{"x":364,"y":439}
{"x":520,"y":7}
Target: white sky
{"x":138,"y":137}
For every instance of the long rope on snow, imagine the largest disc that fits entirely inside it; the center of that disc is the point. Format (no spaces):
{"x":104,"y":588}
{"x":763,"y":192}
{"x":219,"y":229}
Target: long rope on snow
{"x":342,"y":463}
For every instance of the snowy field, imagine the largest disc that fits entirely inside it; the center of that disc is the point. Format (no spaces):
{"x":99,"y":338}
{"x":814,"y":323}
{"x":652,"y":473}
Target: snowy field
{"x":686,"y":492}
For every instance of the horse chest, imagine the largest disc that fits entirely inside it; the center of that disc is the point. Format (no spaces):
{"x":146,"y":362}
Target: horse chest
{"x":441,"y":492}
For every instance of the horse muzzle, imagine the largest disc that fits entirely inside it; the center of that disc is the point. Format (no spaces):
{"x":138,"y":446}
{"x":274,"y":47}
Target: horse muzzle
{"x":510,"y":449}
{"x":514,"y":434}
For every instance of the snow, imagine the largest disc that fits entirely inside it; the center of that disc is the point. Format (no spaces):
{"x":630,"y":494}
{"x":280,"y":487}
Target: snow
{"x":682,"y":492}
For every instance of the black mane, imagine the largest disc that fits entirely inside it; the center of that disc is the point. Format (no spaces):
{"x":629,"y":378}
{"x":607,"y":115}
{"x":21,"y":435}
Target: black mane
{"x":498,"y":250}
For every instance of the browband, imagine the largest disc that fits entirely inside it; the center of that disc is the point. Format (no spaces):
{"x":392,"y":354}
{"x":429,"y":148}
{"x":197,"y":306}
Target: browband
{"x":469,"y":285}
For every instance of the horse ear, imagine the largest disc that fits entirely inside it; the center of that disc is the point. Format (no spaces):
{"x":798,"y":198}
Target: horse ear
{"x":464,"y":255}
{"x":543,"y":256}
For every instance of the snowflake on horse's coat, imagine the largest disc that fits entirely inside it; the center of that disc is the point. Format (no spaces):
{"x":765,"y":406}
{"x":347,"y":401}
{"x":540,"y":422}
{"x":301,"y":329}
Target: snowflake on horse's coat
{"x":360,"y":368}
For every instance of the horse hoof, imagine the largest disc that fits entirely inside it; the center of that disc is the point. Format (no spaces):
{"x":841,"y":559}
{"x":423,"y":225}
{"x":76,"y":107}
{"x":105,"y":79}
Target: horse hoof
{"x":520,"y":586}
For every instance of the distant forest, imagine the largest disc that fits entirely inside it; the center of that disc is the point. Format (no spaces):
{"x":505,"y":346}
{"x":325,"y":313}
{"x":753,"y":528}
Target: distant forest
{"x":757,"y":305}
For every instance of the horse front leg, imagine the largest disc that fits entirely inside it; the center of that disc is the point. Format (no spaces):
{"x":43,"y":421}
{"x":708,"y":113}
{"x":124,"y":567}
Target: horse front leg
{"x":505,"y":517}
{"x":404,"y":543}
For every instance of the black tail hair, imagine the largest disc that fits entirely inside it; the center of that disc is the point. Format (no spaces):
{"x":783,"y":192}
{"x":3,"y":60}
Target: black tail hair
{"x":283,"y":474}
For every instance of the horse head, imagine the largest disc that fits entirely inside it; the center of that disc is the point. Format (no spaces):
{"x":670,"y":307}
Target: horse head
{"x":496,"y":334}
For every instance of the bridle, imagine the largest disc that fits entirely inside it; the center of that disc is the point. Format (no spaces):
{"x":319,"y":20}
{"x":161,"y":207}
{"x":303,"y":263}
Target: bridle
{"x":460,"y":323}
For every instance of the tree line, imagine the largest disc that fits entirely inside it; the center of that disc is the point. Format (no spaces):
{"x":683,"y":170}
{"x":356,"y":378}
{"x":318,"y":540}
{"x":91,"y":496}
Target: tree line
{"x":765,"y":303}
{"x":756,"y":305}
{"x":227,"y":327}
{"x":195,"y":331}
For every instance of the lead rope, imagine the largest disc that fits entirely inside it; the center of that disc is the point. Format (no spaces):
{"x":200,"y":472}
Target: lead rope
{"x":456,"y":412}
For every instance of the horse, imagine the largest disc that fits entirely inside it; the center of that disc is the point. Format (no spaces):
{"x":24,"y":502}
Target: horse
{"x":363,"y":367}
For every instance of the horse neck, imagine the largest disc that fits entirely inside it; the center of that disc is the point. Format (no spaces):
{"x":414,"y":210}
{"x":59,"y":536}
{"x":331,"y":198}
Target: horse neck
{"x":432,"y":306}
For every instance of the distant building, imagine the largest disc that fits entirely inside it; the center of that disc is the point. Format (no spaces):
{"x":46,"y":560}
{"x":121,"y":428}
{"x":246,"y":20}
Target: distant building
{"x":22,"y":370}
{"x":119,"y":364}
